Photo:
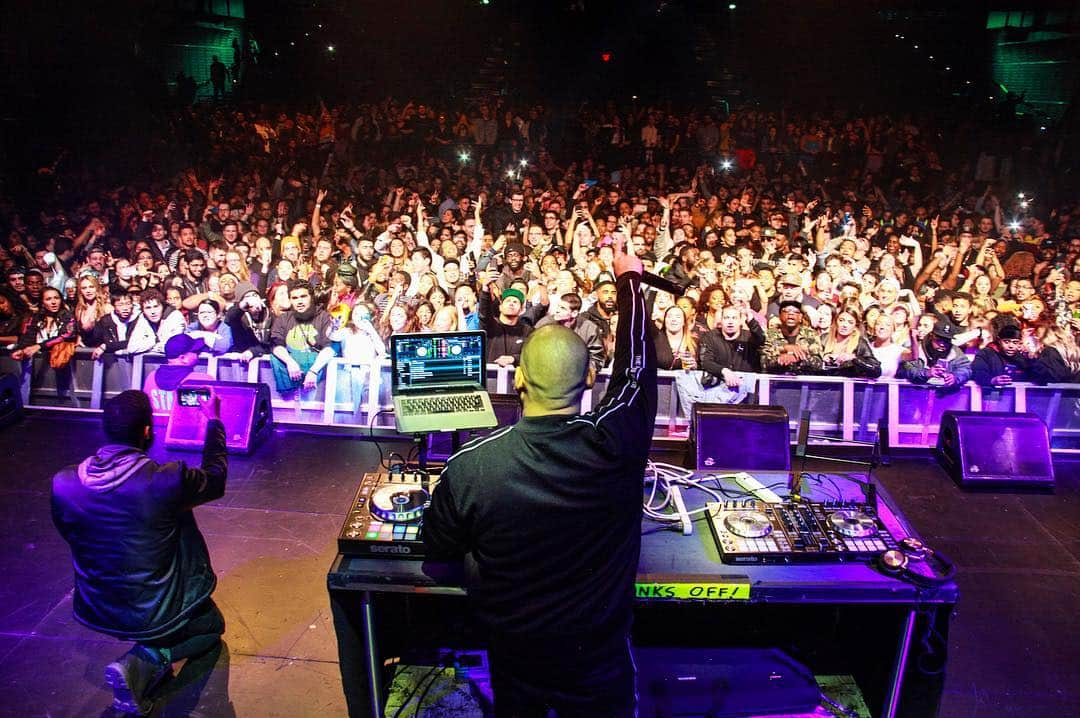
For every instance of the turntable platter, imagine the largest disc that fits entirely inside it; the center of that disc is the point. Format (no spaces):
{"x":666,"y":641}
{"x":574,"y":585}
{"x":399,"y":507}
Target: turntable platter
{"x":748,"y":524}
{"x":399,"y":503}
{"x":854,"y":524}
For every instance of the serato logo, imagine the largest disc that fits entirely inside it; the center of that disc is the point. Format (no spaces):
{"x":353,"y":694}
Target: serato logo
{"x":390,"y":549}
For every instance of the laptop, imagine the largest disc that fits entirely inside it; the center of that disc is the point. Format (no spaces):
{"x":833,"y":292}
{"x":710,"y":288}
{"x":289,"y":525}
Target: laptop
{"x":437,"y":382}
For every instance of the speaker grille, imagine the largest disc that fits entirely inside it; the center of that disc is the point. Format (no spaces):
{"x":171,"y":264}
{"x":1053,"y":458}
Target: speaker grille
{"x":995,"y":447}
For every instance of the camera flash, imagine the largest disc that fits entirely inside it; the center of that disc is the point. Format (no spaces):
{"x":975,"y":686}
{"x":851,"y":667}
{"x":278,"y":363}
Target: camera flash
{"x":725,"y":164}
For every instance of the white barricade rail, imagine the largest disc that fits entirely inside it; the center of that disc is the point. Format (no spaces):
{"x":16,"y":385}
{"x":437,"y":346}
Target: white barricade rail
{"x":358,"y":395}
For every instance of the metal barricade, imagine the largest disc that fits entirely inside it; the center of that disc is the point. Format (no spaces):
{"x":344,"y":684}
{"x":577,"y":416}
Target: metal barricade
{"x":358,"y":395}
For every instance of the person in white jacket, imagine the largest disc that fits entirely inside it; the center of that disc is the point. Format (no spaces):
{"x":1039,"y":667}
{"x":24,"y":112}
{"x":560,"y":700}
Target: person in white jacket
{"x":157,"y":324}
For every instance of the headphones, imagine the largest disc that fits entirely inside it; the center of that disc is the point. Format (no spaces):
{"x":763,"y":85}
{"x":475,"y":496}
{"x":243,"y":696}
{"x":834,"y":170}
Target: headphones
{"x":898,"y":564}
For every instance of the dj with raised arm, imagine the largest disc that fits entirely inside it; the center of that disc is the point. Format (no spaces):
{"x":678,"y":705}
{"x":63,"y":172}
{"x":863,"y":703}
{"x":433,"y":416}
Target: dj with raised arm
{"x":550,"y":511}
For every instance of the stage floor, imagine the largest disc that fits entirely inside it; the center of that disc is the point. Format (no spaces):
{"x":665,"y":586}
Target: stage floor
{"x":1014,"y":643}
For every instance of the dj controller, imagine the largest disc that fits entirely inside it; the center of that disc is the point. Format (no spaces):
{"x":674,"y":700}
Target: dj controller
{"x":385,"y":518}
{"x":753,"y":531}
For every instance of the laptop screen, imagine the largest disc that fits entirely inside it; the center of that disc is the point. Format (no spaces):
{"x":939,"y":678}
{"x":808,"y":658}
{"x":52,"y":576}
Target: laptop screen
{"x":426,"y":361}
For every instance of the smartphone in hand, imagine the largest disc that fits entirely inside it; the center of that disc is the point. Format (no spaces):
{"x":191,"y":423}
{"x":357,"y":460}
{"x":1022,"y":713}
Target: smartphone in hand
{"x":193,"y":397}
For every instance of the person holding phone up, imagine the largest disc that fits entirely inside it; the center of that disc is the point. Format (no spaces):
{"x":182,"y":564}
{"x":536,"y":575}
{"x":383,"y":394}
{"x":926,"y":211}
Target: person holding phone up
{"x":142,"y":569}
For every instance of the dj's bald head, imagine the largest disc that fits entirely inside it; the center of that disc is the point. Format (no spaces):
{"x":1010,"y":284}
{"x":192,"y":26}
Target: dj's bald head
{"x":554,"y":371}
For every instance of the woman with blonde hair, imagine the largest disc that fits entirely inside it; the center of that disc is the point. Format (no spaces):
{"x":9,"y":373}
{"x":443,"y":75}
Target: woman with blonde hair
{"x":425,"y":283}
{"x":889,"y":353}
{"x":446,"y":319}
{"x":981,"y":287}
{"x":846,"y":351}
{"x":235,"y":264}
{"x":901,"y":317}
{"x":91,"y":306}
{"x":292,"y":250}
{"x":1060,"y":340}
{"x":675,"y":344}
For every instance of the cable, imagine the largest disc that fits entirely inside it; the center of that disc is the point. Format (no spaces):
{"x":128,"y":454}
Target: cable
{"x":371,"y":435}
{"x":844,"y":711}
{"x":420,"y":700}
{"x":658,"y":506}
{"x":658,"y":529}
{"x":408,"y":699}
{"x":858,"y":482}
{"x":926,"y":640}
{"x":820,"y":480}
{"x":839,"y":493}
{"x":383,"y":456}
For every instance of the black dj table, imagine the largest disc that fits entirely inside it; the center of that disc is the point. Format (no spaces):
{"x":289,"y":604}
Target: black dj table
{"x":676,"y":572}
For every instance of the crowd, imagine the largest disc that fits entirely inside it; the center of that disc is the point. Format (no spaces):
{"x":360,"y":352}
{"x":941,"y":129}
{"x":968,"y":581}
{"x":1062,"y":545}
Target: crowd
{"x":803,"y":244}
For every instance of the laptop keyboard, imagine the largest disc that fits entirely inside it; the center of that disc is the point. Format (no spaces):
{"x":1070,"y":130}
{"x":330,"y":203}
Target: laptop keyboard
{"x":449,"y":404}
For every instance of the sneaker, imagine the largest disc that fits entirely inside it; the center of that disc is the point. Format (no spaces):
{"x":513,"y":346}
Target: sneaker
{"x":133,"y":678}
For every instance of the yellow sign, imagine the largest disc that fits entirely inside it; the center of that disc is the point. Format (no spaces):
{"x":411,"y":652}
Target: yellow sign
{"x":694,"y":591}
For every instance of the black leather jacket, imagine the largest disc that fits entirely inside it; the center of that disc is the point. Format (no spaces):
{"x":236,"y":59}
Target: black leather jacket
{"x":864,"y":364}
{"x":141,"y":564}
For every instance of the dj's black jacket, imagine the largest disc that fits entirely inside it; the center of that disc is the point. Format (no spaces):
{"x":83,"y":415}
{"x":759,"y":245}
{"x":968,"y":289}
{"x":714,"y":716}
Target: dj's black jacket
{"x":141,"y":564}
{"x":550,"y":508}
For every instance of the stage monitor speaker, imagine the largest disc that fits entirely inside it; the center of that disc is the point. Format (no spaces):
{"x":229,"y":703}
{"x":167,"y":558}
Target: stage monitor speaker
{"x":995,"y":449}
{"x":245,"y":411}
{"x":507,"y":410}
{"x":11,"y":406}
{"x":741,"y":437}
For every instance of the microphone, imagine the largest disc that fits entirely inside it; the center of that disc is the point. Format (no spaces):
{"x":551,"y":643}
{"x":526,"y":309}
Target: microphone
{"x":662,"y":283}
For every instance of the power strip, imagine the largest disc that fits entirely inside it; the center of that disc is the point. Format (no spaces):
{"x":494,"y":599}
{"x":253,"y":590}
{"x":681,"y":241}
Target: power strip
{"x":680,"y":507}
{"x":754,"y":487}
